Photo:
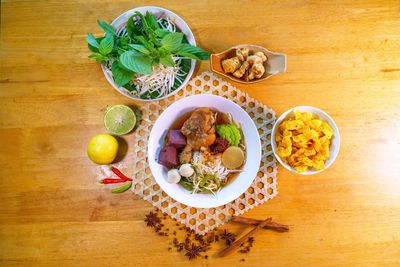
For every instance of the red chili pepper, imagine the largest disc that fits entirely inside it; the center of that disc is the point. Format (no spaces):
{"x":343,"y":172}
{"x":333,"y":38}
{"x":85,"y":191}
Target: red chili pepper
{"x":120,"y":174}
{"x":112,"y":181}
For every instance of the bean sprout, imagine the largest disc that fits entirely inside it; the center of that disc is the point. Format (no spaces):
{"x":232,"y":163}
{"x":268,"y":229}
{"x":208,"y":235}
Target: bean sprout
{"x":164,"y":79}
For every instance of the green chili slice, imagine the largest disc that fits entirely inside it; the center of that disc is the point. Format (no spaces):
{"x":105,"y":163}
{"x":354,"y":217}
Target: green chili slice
{"x":121,"y":189}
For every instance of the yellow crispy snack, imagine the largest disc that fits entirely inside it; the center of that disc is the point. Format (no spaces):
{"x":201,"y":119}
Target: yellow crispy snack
{"x":303,"y":141}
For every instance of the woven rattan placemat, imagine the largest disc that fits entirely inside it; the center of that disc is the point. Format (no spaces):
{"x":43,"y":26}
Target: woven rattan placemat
{"x":201,"y":221}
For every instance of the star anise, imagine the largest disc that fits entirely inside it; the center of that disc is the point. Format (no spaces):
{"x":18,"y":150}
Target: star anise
{"x":193,"y":251}
{"x":152,"y":219}
{"x":228,"y":237}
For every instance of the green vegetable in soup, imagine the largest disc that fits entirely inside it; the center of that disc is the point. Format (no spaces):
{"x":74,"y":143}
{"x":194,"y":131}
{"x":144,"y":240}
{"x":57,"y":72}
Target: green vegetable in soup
{"x":230,"y":132}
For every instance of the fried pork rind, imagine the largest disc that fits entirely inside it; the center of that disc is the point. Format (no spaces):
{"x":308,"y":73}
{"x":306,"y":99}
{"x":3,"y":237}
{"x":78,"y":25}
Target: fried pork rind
{"x":303,"y":141}
{"x":231,"y":65}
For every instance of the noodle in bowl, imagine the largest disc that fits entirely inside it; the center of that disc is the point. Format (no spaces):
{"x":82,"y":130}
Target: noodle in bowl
{"x":235,"y":187}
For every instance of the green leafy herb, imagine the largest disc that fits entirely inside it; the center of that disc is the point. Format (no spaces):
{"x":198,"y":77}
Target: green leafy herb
{"x":132,"y":28}
{"x":140,"y":48}
{"x":161,"y":32}
{"x":99,"y":57}
{"x":172,"y":41}
{"x":106,"y":45}
{"x":106,"y":27}
{"x":135,"y":61}
{"x":191,"y":51}
{"x":167,"y":61}
{"x":92,"y":41}
{"x":121,"y":75}
{"x":145,"y":44}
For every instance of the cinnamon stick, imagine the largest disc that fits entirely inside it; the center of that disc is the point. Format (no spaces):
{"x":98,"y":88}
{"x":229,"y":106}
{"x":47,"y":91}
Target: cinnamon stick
{"x":270,"y":225}
{"x":243,"y":239}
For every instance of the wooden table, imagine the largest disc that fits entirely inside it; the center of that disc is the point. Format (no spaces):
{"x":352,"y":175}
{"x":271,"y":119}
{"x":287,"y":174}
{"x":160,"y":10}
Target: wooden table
{"x":343,"y":57}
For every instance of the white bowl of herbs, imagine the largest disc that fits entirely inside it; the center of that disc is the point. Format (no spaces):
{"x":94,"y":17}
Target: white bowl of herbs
{"x":147,"y":53}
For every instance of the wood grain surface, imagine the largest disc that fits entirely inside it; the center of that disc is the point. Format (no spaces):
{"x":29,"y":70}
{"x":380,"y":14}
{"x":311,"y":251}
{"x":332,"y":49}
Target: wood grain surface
{"x":343,"y":57}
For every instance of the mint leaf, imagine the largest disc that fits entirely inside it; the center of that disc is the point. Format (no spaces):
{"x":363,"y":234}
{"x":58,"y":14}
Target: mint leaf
{"x":161,"y":32}
{"x":106,"y":27}
{"x":99,"y":57}
{"x":140,"y":48}
{"x":132,"y":28}
{"x":151,"y":20}
{"x":107,"y":44}
{"x":172,"y":41}
{"x":136,"y":62}
{"x":162,"y":52}
{"x":143,"y":40}
{"x":92,"y":41}
{"x":190,"y":51}
{"x":167,"y":61}
{"x":121,"y":75}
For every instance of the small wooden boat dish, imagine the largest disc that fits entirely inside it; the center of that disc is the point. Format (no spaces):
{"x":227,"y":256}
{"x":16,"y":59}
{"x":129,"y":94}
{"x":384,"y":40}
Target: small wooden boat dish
{"x":275,"y":64}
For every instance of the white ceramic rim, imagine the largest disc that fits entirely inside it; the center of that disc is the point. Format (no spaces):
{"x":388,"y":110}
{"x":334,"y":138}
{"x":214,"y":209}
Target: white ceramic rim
{"x":235,"y":188}
{"x":123,"y":18}
{"x":334,"y":147}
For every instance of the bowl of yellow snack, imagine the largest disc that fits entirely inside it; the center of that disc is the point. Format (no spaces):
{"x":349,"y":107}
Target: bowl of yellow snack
{"x":305,"y":140}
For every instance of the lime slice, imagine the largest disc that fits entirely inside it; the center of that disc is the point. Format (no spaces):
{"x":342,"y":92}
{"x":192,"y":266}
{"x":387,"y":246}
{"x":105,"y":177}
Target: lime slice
{"x":119,"y":119}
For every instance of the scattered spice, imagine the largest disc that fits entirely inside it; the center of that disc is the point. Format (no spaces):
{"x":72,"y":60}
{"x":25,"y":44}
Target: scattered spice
{"x":247,"y":245}
{"x":195,"y":245}
{"x":228,"y":237}
{"x":152,"y":219}
{"x":193,"y":251}
{"x":243,"y":239}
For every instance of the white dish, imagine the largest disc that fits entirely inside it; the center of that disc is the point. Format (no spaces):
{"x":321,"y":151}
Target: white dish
{"x":335,"y":143}
{"x":235,"y":188}
{"x":120,"y":22}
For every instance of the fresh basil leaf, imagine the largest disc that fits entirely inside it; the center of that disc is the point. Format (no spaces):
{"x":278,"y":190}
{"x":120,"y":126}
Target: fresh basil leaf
{"x":92,"y":41}
{"x":99,"y":57}
{"x":141,"y":39}
{"x":93,"y":49}
{"x":132,"y":28}
{"x":142,"y":20}
{"x":172,"y":41}
{"x":162,"y":52}
{"x":167,"y":61}
{"x":121,"y":76}
{"x":106,"y":27}
{"x":155,"y":61}
{"x":190,"y":51}
{"x":151,"y":21}
{"x":137,"y":63}
{"x":122,"y":42}
{"x":161,"y":32}
{"x":107,"y":44}
{"x":140,"y":48}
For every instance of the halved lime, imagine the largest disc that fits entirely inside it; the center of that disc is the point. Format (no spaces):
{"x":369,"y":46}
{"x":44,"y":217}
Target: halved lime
{"x":119,"y":119}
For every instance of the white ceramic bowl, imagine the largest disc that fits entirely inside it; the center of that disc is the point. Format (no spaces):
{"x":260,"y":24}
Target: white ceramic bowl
{"x":120,"y":22}
{"x":335,"y":143}
{"x":235,"y":188}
